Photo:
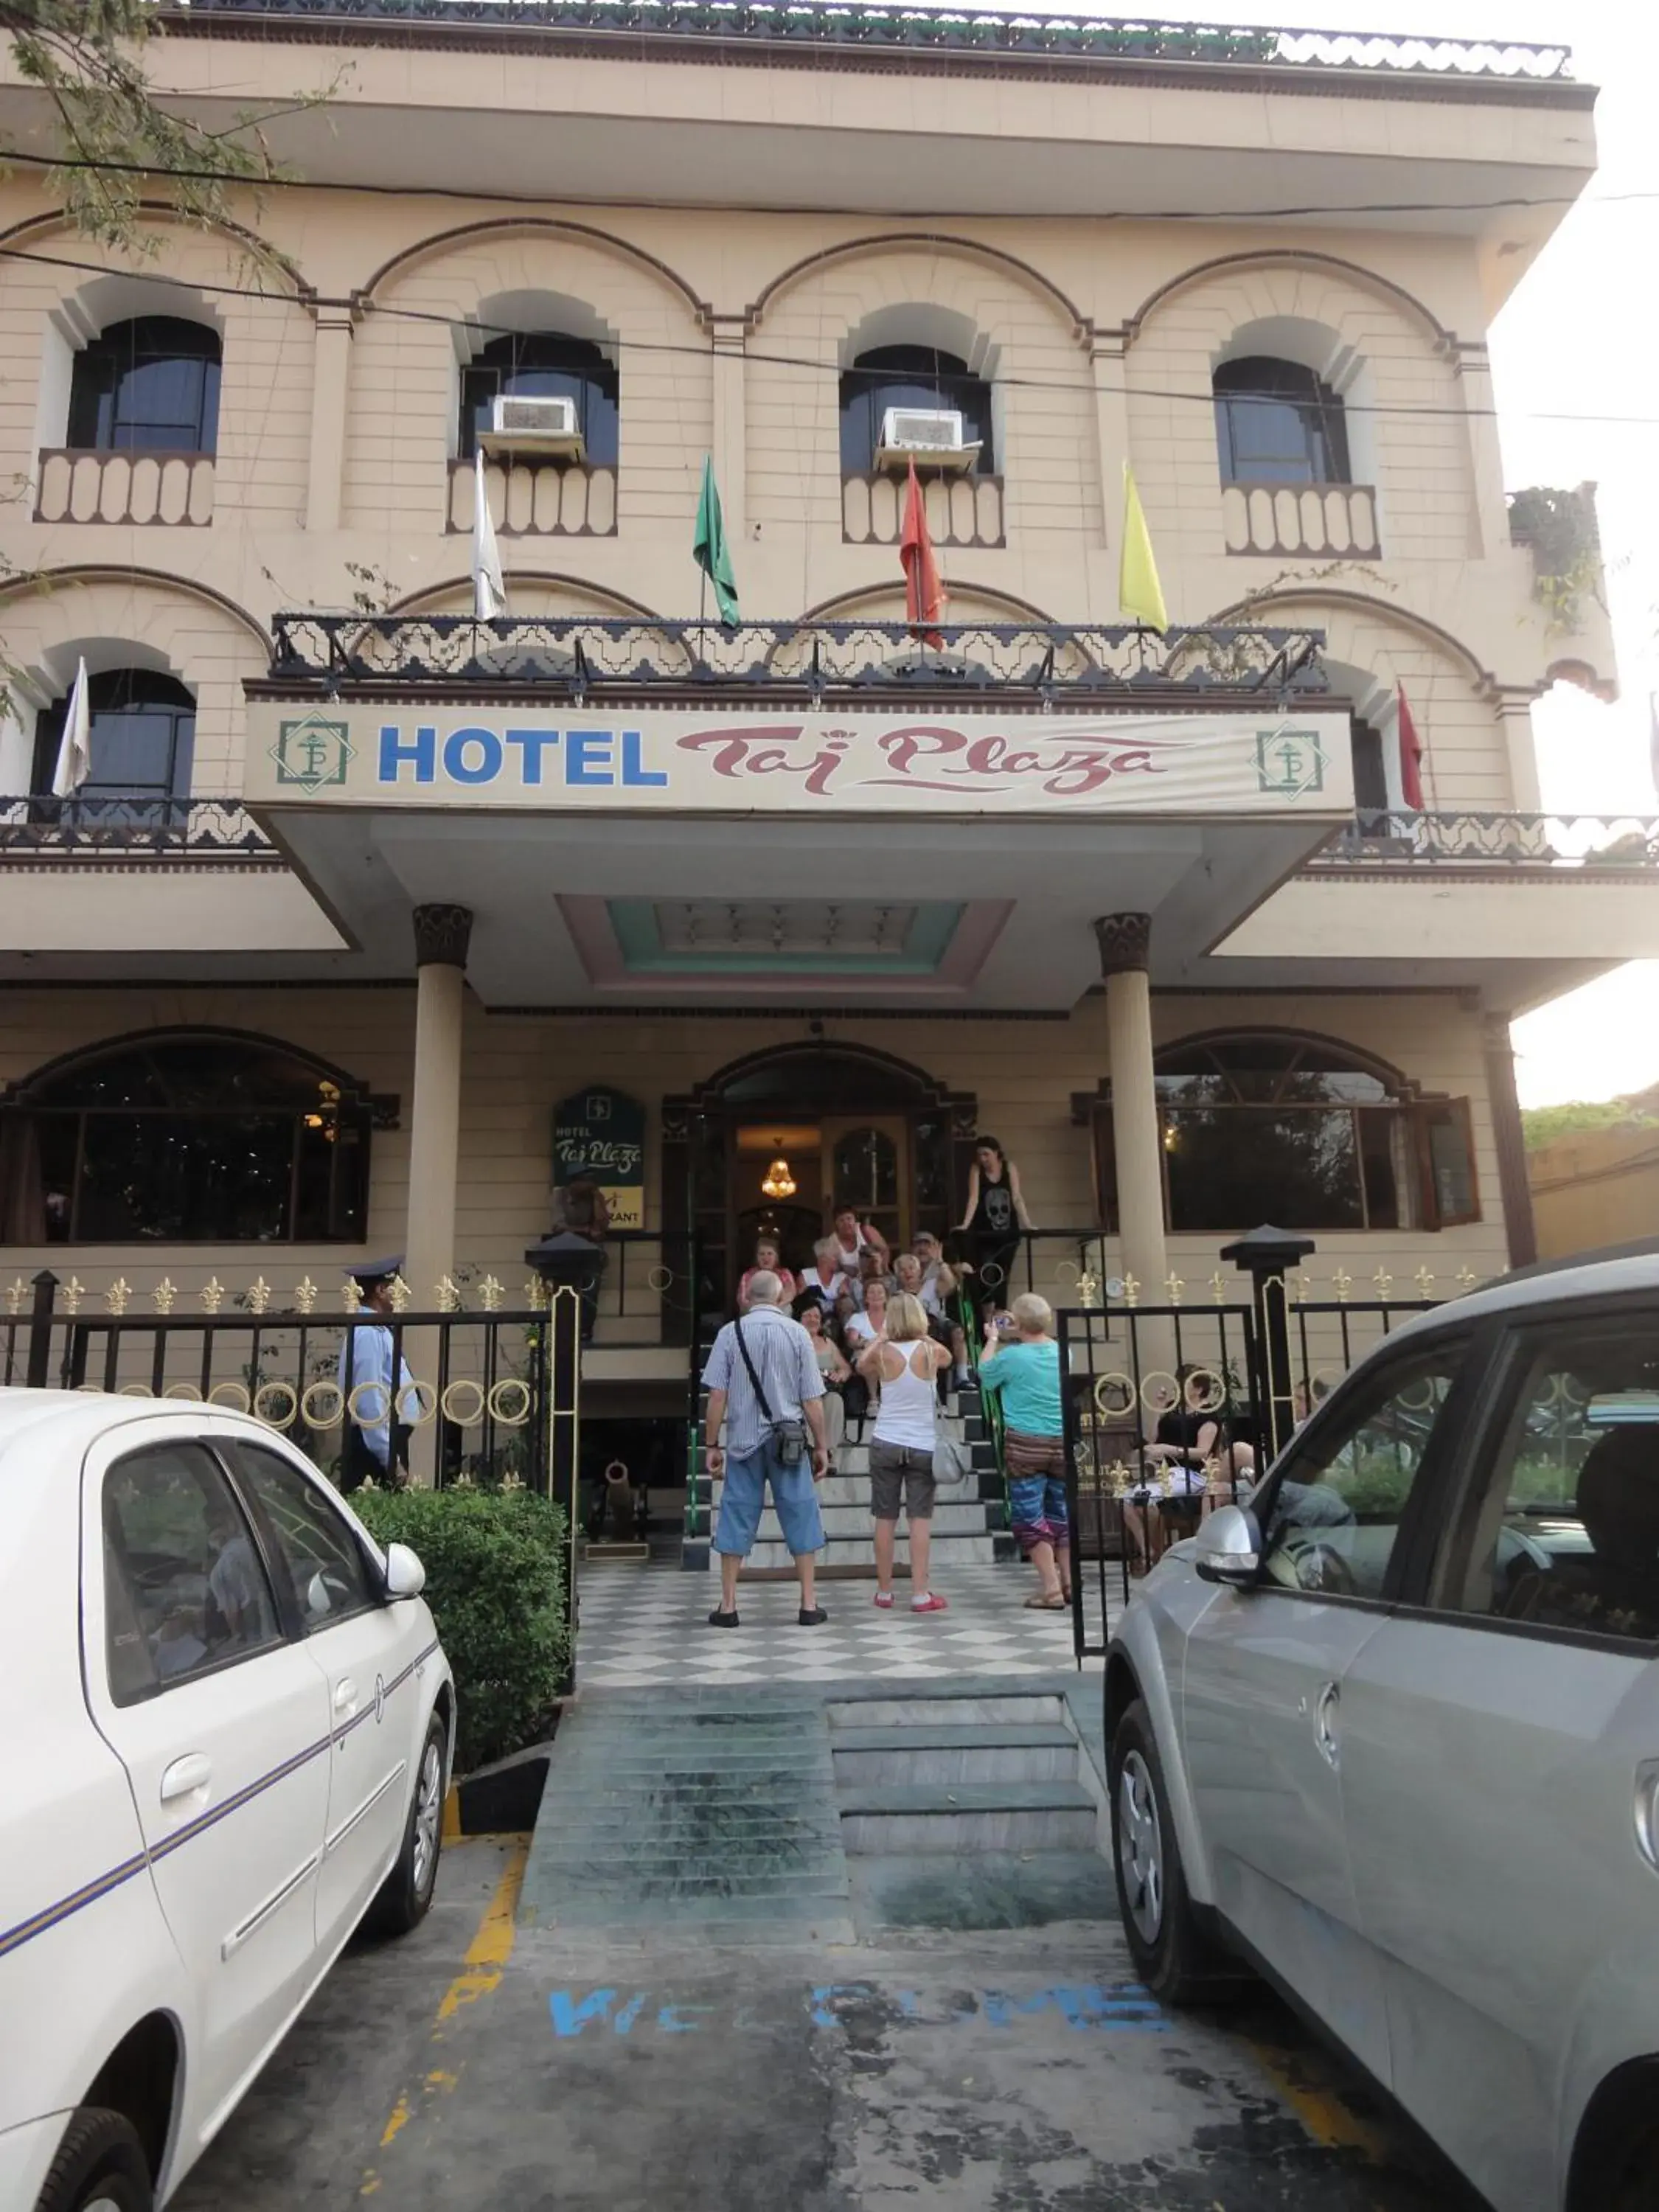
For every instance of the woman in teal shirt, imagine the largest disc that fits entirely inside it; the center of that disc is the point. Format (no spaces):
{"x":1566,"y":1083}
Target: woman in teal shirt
{"x":1021,"y":1372}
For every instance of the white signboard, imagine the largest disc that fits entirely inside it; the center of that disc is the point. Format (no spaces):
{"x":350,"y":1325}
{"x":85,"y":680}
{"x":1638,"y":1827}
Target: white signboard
{"x":560,"y":758}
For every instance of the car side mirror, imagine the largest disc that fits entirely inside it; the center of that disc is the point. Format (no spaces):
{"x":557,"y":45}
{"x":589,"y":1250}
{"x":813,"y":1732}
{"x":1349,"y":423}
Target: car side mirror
{"x":1227,"y":1548}
{"x":404,"y":1574}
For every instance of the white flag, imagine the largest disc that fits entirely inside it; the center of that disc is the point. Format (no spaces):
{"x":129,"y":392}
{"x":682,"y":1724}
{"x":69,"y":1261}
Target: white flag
{"x":74,"y":748}
{"x":488,"y":592}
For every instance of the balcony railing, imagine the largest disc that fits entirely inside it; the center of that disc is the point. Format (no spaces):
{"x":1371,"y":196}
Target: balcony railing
{"x":802,"y":23}
{"x":1300,"y":519}
{"x":82,"y":484}
{"x":1034,"y":662}
{"x":214,"y":829}
{"x":1578,"y":841}
{"x":537,"y":499}
{"x":962,"y":510}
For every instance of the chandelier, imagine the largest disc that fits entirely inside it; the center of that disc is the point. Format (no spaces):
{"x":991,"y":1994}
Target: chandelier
{"x":777,"y":1181}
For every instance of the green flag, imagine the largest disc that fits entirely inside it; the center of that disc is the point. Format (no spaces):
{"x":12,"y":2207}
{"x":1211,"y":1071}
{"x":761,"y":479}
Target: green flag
{"x":709,"y":548}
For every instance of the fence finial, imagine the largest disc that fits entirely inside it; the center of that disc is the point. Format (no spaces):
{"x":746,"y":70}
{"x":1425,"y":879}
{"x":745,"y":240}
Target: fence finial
{"x":492,"y":1295}
{"x":1218,"y":1287}
{"x":73,"y":1290}
{"x":1385,"y":1282}
{"x":1304,"y":1286}
{"x":212,"y":1295}
{"x":1174,"y":1286}
{"x":118,"y":1294}
{"x":1467,"y":1278}
{"x":535,"y":1293}
{"x":350,"y":1297}
{"x":1131,"y":1290}
{"x":449,"y":1295}
{"x":164,"y":1294}
{"x":15,"y":1294}
{"x":1342,"y":1283}
{"x":305,"y":1295}
{"x":400,"y":1294}
{"x":259,"y":1296}
{"x":1423,"y":1279}
{"x":1088,"y":1290}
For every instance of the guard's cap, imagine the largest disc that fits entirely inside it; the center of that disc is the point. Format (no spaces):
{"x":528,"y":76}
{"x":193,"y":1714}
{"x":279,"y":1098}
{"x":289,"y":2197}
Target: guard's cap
{"x":376,"y":1271}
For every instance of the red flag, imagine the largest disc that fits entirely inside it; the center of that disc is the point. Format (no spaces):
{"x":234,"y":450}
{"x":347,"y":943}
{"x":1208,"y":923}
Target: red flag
{"x":1410,"y":757}
{"x":924,"y":594}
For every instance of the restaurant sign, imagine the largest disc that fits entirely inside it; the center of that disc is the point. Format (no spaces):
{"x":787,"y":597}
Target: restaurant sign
{"x":598,"y":1135}
{"x":732,"y":762}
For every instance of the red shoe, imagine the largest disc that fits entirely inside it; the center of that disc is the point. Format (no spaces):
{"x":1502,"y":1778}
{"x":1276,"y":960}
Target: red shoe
{"x":885,"y":1600}
{"x":931,"y":1603}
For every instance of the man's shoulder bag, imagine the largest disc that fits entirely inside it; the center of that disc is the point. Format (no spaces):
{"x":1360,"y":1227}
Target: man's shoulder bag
{"x":790,"y":1439}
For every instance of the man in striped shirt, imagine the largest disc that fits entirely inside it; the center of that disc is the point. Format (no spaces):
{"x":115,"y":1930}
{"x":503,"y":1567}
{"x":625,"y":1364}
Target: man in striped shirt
{"x":787,"y":1369}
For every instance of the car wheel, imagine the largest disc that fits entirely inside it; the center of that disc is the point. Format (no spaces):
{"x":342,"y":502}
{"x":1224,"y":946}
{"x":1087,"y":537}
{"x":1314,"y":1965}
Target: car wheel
{"x":99,"y":2167}
{"x":1177,"y":1960}
{"x":406,"y":1893}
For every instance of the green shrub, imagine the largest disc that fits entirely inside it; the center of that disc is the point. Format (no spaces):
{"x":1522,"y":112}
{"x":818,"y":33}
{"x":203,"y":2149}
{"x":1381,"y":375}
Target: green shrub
{"x":495,"y":1564}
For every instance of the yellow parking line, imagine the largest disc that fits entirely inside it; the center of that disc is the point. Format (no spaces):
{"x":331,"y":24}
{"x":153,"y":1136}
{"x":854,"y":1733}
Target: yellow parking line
{"x":481,"y":1972}
{"x":1326,"y":2115}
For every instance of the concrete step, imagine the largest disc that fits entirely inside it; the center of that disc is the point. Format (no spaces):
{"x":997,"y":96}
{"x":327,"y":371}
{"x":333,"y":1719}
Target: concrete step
{"x":851,"y":1487}
{"x":865,"y":1758}
{"x":1044,"y":1710}
{"x":860,"y":1551}
{"x":845,"y":1521}
{"x":968,"y":1816}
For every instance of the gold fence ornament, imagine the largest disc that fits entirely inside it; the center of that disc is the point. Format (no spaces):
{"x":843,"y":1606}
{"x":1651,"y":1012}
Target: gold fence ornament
{"x":449,"y":1295}
{"x":464,"y":1480}
{"x":492,"y":1295}
{"x":1218,"y":1287}
{"x":351,"y":1299}
{"x":498,"y":1402}
{"x":511,"y":1481}
{"x":212,"y":1295}
{"x":305,"y":1296}
{"x":1118,"y":1475}
{"x":1304,"y":1286}
{"x":1465,"y":1279}
{"x":399,"y":1296}
{"x":1342,"y":1283}
{"x":15,"y":1297}
{"x":164,"y":1294}
{"x":116,"y":1296}
{"x":1131,"y":1290}
{"x":1088,"y":1290}
{"x":1174,"y":1286}
{"x":73,"y":1290}
{"x":1385,"y":1282}
{"x":259,"y":1296}
{"x":535,"y":1294}
{"x":1423,"y":1279}
{"x":464,"y":1412}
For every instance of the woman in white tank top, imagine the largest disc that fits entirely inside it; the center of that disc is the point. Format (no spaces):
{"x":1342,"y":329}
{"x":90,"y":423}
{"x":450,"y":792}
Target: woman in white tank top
{"x":905,"y":1363}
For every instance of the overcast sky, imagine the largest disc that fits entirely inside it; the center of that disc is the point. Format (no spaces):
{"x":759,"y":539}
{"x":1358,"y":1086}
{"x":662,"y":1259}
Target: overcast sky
{"x":1579,"y":338}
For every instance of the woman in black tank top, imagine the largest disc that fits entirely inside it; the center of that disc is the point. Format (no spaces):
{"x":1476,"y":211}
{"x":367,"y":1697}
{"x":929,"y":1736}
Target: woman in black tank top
{"x":994,"y":1216}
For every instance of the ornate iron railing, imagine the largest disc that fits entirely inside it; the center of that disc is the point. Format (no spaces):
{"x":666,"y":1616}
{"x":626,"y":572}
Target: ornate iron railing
{"x":212,"y":826}
{"x":1531,"y":841}
{"x":578,"y":655}
{"x":811,"y":22}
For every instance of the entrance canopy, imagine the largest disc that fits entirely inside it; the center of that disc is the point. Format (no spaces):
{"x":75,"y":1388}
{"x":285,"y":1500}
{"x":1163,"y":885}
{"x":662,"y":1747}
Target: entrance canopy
{"x":834,"y":812}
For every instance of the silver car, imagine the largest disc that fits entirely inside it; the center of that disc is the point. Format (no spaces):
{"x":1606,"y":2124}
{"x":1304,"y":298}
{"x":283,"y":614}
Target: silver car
{"x":1390,"y":1735}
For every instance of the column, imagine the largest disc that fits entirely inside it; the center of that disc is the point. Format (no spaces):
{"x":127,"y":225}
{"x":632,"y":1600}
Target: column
{"x":441,"y":934}
{"x":1514,"y":711}
{"x":1513,"y":1187}
{"x":728,"y":436}
{"x":1125,"y":941}
{"x":1112,"y":433}
{"x":1485,"y":456}
{"x":330,"y":382}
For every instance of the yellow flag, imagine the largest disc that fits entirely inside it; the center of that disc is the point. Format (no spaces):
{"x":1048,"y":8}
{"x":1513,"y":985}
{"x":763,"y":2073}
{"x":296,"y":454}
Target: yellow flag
{"x":1139,"y":593}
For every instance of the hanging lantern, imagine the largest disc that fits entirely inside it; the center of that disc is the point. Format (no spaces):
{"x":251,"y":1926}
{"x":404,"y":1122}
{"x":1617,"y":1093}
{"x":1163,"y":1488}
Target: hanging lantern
{"x":779,"y":1183}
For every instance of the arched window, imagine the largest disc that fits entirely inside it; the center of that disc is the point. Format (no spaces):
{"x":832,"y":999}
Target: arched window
{"x":911,"y":376}
{"x":544,"y":365}
{"x":1278,"y":422}
{"x":1265,"y":1125}
{"x":149,"y":386}
{"x":144,"y":737}
{"x":192,"y":1136}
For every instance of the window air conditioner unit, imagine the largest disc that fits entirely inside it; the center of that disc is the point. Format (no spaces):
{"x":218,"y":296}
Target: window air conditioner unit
{"x":533,"y":428}
{"x":931,"y":436}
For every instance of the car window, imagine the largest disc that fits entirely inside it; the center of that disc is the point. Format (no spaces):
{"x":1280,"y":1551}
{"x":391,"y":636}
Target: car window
{"x":1333,"y":1517}
{"x":1564,"y":1532}
{"x":325,"y":1562}
{"x":184,"y":1588}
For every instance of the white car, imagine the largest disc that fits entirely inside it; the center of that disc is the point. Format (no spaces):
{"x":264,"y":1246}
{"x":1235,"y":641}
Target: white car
{"x":228,"y":1731}
{"x":1391,"y":1735}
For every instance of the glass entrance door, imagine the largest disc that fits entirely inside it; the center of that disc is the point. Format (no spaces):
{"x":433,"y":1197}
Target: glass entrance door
{"x":866,"y":1164}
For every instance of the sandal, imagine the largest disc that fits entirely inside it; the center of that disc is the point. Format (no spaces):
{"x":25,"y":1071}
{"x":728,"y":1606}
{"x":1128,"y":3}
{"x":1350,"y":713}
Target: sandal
{"x":885,"y":1600}
{"x":1040,"y":1604}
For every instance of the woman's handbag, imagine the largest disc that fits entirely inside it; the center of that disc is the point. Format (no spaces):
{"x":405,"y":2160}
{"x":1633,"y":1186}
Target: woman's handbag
{"x":952,"y":1462}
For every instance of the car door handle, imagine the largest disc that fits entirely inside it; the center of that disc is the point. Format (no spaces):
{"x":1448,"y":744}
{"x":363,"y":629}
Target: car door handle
{"x":1326,"y":1731}
{"x":185,"y":1775}
{"x":345,"y":1695}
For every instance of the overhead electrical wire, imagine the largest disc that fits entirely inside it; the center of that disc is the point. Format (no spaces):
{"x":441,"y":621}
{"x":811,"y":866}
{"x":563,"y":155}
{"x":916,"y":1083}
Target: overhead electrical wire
{"x":476,"y":326}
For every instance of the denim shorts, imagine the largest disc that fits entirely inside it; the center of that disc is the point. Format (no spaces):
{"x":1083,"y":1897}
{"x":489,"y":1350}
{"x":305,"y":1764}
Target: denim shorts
{"x":793,"y":1494}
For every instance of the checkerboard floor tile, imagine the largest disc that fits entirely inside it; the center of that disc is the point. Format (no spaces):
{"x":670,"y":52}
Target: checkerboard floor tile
{"x":642,"y":1626}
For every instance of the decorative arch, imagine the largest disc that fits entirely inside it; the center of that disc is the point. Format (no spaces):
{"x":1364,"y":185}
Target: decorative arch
{"x":471,"y":233}
{"x":1366,"y":603}
{"x":25,"y":1087}
{"x":923,"y":241}
{"x":1292,"y":1033}
{"x":884,"y":1068}
{"x":847,"y":606}
{"x":42,"y":582}
{"x":250,"y":241}
{"x":1290,"y":257}
{"x":423,"y":601}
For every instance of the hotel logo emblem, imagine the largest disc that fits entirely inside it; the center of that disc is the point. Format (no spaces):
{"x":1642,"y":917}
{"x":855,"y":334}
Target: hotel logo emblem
{"x":312,"y":752}
{"x":1290,"y":762}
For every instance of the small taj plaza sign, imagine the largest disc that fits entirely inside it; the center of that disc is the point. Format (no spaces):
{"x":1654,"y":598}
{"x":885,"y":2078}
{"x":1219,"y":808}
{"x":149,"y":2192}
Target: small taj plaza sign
{"x":313,"y":753}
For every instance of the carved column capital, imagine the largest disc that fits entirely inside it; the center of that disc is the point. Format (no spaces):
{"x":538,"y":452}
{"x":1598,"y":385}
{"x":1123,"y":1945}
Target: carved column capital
{"x":1125,"y":942}
{"x":441,"y":936}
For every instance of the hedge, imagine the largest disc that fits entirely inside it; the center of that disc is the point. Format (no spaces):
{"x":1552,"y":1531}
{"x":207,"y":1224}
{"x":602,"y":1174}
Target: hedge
{"x":495,"y":1564}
